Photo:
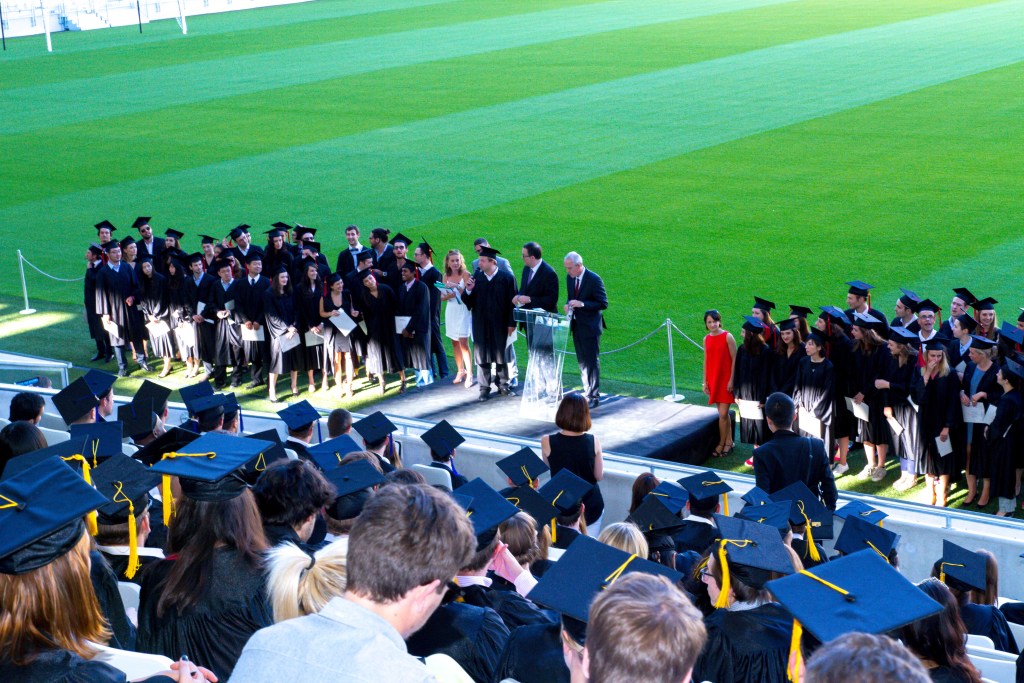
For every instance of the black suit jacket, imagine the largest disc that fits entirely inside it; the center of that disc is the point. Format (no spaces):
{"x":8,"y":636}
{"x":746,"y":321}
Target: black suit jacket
{"x":158,"y":253}
{"x":789,"y":458}
{"x":542,"y":289}
{"x":588,"y":320}
{"x":346,"y":261}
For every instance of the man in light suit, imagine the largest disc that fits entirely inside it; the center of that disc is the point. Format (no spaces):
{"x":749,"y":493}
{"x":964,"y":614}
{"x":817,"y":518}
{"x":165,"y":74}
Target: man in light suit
{"x":586,"y":301}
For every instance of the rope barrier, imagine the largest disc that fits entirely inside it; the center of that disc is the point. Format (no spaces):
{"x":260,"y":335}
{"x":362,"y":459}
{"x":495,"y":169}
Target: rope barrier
{"x":687,"y":337}
{"x":52,"y":277}
{"x":627,"y":346}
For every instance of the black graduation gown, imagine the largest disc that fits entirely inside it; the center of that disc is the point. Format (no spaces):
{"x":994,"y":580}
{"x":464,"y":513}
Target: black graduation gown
{"x":119,"y":565}
{"x":154,"y":302}
{"x":279,"y":312}
{"x":987,"y":620}
{"x":784,"y":370}
{"x":815,"y":390}
{"x":695,"y":536}
{"x":752,"y":381}
{"x":908,"y":444}
{"x":914,"y":326}
{"x":867,"y":367}
{"x":514,"y":609}
{"x":534,"y":655}
{"x":104,"y":583}
{"x":981,"y":464}
{"x":394,"y":275}
{"x":473,"y":636}
{"x":414,"y":302}
{"x":491,"y":304}
{"x":214,"y":631}
{"x":877,"y":315}
{"x":334,"y":340}
{"x":386,"y":263}
{"x":1002,"y":443}
{"x":564,"y":536}
{"x":195,"y":293}
{"x":307,"y":310}
{"x":954,"y":356}
{"x":803,"y":550}
{"x":112,"y":289}
{"x":273,"y":259}
{"x":457,"y":479}
{"x":249,"y":308}
{"x":746,"y":645}
{"x":383,"y":349}
{"x":96,"y":330}
{"x":221,"y":334}
{"x":62,"y":666}
{"x":840,"y":354}
{"x":937,"y":405}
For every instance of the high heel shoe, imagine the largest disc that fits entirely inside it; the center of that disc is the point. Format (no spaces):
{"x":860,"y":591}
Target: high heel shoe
{"x":459,"y":377}
{"x":727,"y":451}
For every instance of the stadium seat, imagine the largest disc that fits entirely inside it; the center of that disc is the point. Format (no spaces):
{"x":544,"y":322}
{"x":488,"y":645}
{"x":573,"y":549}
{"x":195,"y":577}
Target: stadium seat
{"x":435,"y":476}
{"x":4,"y":422}
{"x":54,"y":437}
{"x":446,"y":670}
{"x":1018,"y":634}
{"x":292,"y":455}
{"x":129,"y":594}
{"x":999,"y":671}
{"x":132,"y":664}
{"x":980,"y":642}
{"x":51,"y":421}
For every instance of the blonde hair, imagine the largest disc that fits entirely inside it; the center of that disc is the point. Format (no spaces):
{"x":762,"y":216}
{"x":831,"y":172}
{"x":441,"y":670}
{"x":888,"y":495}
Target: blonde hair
{"x":943,"y":368}
{"x":625,"y":536}
{"x":462,"y":262}
{"x":298,"y":584}
{"x":519,"y":532}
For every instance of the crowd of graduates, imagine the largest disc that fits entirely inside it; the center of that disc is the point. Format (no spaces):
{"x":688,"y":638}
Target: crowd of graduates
{"x":940,"y":395}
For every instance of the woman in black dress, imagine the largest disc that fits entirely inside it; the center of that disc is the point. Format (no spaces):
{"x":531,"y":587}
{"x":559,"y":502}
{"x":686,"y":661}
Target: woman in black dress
{"x":870,"y":363}
{"x":414,"y":303}
{"x":788,"y":353}
{"x":979,"y":388}
{"x":279,"y":308}
{"x":337,"y":345}
{"x":574,"y":449}
{"x":752,"y":378}
{"x":934,"y":390}
{"x":832,"y":323}
{"x":154,"y":305}
{"x":308,"y":294}
{"x":1003,"y":438}
{"x":383,"y":349}
{"x":181,"y":310}
{"x":906,"y":438}
{"x":814,"y":389}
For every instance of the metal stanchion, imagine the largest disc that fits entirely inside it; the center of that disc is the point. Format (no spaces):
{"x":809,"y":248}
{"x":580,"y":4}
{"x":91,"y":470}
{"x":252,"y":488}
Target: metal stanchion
{"x":673,"y":397}
{"x":24,"y":287}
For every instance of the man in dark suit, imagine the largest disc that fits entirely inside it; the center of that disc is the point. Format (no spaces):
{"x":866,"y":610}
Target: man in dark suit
{"x":538,"y":288}
{"x":248,"y":297}
{"x":149,"y":245}
{"x":586,"y":301}
{"x":789,"y":457}
{"x":347,"y":256}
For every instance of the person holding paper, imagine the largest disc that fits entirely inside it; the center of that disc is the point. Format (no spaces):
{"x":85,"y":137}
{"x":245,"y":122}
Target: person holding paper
{"x":751,"y":382}
{"x":308,"y":292}
{"x":219,"y":332}
{"x":414,"y":304}
{"x":901,"y":416}
{"x":457,"y":319}
{"x":814,"y":391}
{"x":489,"y":296}
{"x":431,"y":277}
{"x":279,"y":309}
{"x":248,"y":295}
{"x":336,"y":312}
{"x":117,"y":288}
{"x":1003,"y":439}
{"x":719,"y":355}
{"x":154,"y":305}
{"x":183,"y":303}
{"x":962,"y":328}
{"x":833,"y":323}
{"x":979,"y":388}
{"x":383,"y":348}
{"x":871,"y":360}
{"x":934,"y":389}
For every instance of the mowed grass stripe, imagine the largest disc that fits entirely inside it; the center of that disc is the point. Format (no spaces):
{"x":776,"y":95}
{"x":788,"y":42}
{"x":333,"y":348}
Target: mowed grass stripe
{"x":129,"y":147}
{"x":38,"y":107}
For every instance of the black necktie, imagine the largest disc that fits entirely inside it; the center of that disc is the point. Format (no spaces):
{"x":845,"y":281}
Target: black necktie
{"x":577,"y":293}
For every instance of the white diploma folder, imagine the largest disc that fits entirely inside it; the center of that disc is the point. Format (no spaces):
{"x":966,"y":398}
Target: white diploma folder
{"x":158,"y":329}
{"x":974,"y":414}
{"x":809,"y":423}
{"x":749,"y":410}
{"x":289,"y":343}
{"x":895,"y":426}
{"x":343,"y":322}
{"x":400,"y":323}
{"x":859,"y":410}
{"x":252,"y":335}
{"x":944,"y":447}
{"x":314,"y":339}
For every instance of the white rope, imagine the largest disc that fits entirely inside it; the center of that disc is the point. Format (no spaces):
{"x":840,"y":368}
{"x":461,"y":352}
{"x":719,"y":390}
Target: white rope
{"x":627,"y":346}
{"x":59,"y":279}
{"x":687,"y":337}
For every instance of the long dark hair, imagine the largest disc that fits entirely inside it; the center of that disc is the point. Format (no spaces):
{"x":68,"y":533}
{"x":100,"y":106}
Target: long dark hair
{"x":940,"y":637}
{"x":753,"y":342}
{"x":281,"y":291}
{"x":197,"y":530}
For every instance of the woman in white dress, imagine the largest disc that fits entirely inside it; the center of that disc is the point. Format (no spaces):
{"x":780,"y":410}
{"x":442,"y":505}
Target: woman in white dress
{"x":457,"y":318}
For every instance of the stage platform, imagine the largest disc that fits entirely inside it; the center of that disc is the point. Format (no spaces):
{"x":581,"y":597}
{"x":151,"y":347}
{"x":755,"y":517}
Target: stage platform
{"x":648,"y":428}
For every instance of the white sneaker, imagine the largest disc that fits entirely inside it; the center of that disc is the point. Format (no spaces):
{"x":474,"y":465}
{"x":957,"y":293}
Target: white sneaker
{"x":866,"y":472}
{"x":878,"y":474}
{"x":840,"y":469}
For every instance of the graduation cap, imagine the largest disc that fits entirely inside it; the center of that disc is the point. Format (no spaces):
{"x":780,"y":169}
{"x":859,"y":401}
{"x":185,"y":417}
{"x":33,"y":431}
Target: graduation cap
{"x":965,"y":295}
{"x":253,"y":255}
{"x":278,"y":226}
{"x":127,"y":240}
{"x":141,"y":221}
{"x":102,"y":440}
{"x":967,"y":322}
{"x":111,"y":245}
{"x":366,"y":274}
{"x":902,"y":335}
{"x":937,"y":343}
{"x":400,"y":239}
{"x":174,"y":234}
{"x":487,"y":510}
{"x":752,"y":324}
{"x":522,"y":467}
{"x":442,"y":439}
{"x":252,"y":470}
{"x":208,"y":469}
{"x":299,"y":415}
{"x":928,"y":305}
{"x":756,"y":496}
{"x":238,"y":231}
{"x":364,"y":255}
{"x":834,"y":314}
{"x":774,"y":514}
{"x":42,"y":515}
{"x":302,"y":230}
{"x":858,"y":535}
{"x":196,"y":256}
{"x":1014,"y":368}
{"x":910,"y":299}
{"x":209,"y":407}
{"x":96,"y":249}
{"x":75,"y":400}
{"x":409,"y":265}
{"x":68,"y":451}
{"x":104,"y":224}
{"x":750,"y":552}
{"x":1012,"y":332}
{"x":126,"y":484}
{"x":587,"y":568}
{"x":705,"y":485}
{"x":819,"y":337}
{"x":206,"y":239}
{"x":763,"y":304}
{"x":861,"y":511}
{"x":137,"y":419}
{"x":192,"y":392}
{"x":986,"y":304}
{"x":489,"y":252}
{"x":672,"y":495}
{"x":311,"y":246}
{"x":425,"y":247}
{"x":532,"y":503}
{"x":964,"y":567}
{"x":217,"y":265}
{"x":843,"y":596}
{"x":375,"y":427}
{"x":807,"y":510}
{"x":329,"y":454}
{"x":653,"y":516}
{"x":564,"y":491}
{"x":151,"y":392}
{"x":144,"y":257}
{"x":982,"y":343}
{"x":787,"y":324}
{"x":867,"y":321}
{"x":99,"y":382}
{"x":352,"y":483}
{"x":799,"y":311}
{"x":171,"y":440}
{"x":859,"y":288}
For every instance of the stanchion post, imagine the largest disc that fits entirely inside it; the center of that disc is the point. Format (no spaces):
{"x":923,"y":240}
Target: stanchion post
{"x":674,"y":397}
{"x":24,"y":287}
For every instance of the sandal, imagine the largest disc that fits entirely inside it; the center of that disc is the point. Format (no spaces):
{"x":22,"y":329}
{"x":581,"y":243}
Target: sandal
{"x":727,"y":451}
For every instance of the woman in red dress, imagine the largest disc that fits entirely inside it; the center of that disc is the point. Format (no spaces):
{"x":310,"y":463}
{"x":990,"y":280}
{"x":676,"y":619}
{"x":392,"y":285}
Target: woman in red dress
{"x":719,"y":353}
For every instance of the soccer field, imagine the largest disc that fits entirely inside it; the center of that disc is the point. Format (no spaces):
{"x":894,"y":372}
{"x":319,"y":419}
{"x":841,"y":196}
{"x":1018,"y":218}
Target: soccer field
{"x":696,"y":152}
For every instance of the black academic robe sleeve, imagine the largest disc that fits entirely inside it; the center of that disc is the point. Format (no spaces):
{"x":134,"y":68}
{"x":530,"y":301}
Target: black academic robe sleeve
{"x":534,"y":655}
{"x":747,"y":645}
{"x":474,"y":637}
{"x":61,"y":666}
{"x":104,"y":582}
{"x":415,"y":303}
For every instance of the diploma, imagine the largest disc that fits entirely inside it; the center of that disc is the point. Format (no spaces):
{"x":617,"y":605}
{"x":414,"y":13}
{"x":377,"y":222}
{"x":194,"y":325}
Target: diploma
{"x":229,"y":305}
{"x":288,"y":343}
{"x":990,"y":414}
{"x":158,"y":329}
{"x":313,"y":339}
{"x":186,"y":334}
{"x":944,"y":447}
{"x":112,"y":328}
{"x":400,"y":323}
{"x":974,"y":414}
{"x":252,"y":335}
{"x":343,"y":322}
{"x":809,"y":423}
{"x":749,"y":410}
{"x":895,"y":426}
{"x":859,"y":410}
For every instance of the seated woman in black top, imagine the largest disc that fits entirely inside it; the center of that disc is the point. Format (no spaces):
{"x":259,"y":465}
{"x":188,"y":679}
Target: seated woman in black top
{"x":938,"y":640}
{"x":572,"y":448}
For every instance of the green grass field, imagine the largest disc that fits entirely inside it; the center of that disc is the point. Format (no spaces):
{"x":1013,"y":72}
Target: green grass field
{"x":694,"y":151}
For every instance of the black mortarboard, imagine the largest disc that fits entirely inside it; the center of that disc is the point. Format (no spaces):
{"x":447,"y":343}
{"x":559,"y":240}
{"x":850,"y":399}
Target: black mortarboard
{"x":986,"y":304}
{"x":253,"y":255}
{"x":1012,"y":332}
{"x":99,"y":382}
{"x":144,"y":257}
{"x":936,"y":343}
{"x":522,"y":467}
{"x":302,"y":230}
{"x":208,"y":469}
{"x":799,"y":311}
{"x":861,"y":511}
{"x":122,"y":480}
{"x":311,"y":245}
{"x":774,"y":514}
{"x":171,"y":440}
{"x":141,"y":221}
{"x":442,"y":439}
{"x":834,"y":314}
{"x":154,"y":393}
{"x":238,"y":231}
{"x":400,"y":238}
{"x":375,"y":427}
{"x":69,"y":451}
{"x":859,"y":288}
{"x":843,"y":596}
{"x":176,"y":234}
{"x":425,"y":247}
{"x":299,"y":415}
{"x":353,"y":483}
{"x":806,"y":506}
{"x":328,"y":455}
{"x":565,"y":491}
{"x":196,"y":256}
{"x":96,"y":249}
{"x":42,"y":518}
{"x":787,"y":324}
{"x":137,"y":419}
{"x":751,"y":551}
{"x":672,"y":495}
{"x":280,"y":225}
{"x":252,"y":470}
{"x":652,"y":516}
{"x":867,"y":321}
{"x":902,"y":335}
{"x":965,"y":295}
{"x":217,"y":265}
{"x":706,"y":485}
{"x":532,"y":503}
{"x":127,"y":240}
{"x":104,"y":224}
{"x":763,"y":304}
{"x":928,"y":305}
{"x":756,"y":496}
{"x":206,"y":239}
{"x":982,"y":343}
{"x":752,"y":324}
{"x":195,"y":391}
{"x":587,"y":568}
{"x":489,"y":252}
{"x":819,"y":337}
{"x":487,"y":510}
{"x":1014,"y":368}
{"x":910,"y":298}
{"x":209,"y":407}
{"x":967,"y":322}
{"x":409,"y":265}
{"x":75,"y":400}
{"x":111,"y":245}
{"x":858,"y":535}
{"x":366,"y":274}
{"x":963,"y":566}
{"x":102,"y":439}
{"x":364,"y":255}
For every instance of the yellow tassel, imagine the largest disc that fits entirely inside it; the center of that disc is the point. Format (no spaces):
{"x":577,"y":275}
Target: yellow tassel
{"x":133,"y":533}
{"x":723,"y":593}
{"x":91,"y":524}
{"x":95,"y":449}
{"x":942,"y":569}
{"x":725,"y":503}
{"x":812,"y":549}
{"x":554,"y":536}
{"x":880,"y":553}
{"x":613,"y":577}
{"x":90,"y":519}
{"x":795,"y":654}
{"x":165,"y":491}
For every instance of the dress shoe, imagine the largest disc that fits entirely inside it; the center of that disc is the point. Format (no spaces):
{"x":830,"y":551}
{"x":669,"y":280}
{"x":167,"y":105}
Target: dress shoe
{"x":98,"y":356}
{"x":123,"y":373}
{"x":485,"y":395}
{"x":253,"y":385}
{"x":235,"y":383}
{"x":594,"y":403}
{"x":144,"y":366}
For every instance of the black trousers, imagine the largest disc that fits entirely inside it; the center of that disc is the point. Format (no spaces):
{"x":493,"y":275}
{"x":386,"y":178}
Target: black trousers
{"x":485,"y":377}
{"x":587,"y":348}
{"x":437,"y":350}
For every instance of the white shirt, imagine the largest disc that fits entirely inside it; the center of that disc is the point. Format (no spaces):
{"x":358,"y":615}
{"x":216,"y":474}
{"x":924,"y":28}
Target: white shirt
{"x":125,"y":550}
{"x":473,"y":581}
